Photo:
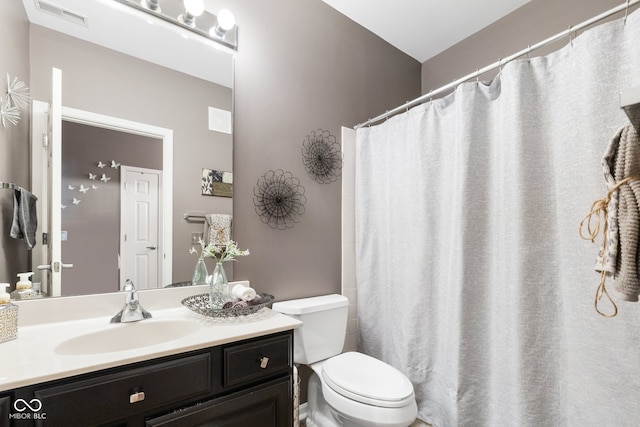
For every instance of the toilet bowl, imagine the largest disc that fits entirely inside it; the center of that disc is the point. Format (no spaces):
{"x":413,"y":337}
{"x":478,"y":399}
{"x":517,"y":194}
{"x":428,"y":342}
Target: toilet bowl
{"x":346,"y":389}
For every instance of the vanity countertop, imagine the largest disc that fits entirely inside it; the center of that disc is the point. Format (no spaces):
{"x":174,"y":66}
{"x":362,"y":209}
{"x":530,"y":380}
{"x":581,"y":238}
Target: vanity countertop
{"x":41,"y":351}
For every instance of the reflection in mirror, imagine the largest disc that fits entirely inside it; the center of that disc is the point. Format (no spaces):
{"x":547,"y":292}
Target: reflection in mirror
{"x":170,"y":91}
{"x":110,"y":178}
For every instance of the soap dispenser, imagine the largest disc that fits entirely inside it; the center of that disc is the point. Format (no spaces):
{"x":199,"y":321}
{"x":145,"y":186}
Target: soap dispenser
{"x":24,"y":288}
{"x":8,"y":316}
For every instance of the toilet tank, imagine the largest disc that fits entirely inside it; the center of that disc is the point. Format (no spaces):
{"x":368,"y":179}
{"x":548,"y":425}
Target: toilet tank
{"x":324,"y":326}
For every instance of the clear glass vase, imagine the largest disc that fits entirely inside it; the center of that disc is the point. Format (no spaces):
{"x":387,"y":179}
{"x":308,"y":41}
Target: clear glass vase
{"x":219,"y":288}
{"x":200,"y":273}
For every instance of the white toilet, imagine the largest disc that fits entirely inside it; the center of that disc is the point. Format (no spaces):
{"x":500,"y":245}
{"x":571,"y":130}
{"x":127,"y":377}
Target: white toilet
{"x":348,"y":389}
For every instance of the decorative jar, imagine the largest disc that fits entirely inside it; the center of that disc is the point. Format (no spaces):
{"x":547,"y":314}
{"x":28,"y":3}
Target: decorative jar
{"x":200,"y":273}
{"x":219,"y":293}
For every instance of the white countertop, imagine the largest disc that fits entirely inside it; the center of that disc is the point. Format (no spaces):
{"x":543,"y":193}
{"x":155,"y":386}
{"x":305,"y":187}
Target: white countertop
{"x":45,"y":324}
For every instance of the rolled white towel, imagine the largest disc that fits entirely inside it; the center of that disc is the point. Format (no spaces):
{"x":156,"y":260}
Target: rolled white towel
{"x":243,"y":292}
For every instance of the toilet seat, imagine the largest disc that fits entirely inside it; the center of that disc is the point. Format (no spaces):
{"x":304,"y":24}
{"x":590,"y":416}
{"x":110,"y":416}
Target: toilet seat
{"x":367,"y":380}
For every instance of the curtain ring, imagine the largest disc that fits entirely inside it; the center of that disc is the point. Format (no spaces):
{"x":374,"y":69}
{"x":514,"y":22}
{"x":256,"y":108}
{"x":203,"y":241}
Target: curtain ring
{"x":430,"y":95}
{"x":571,"y":35}
{"x":529,"y":52}
{"x":478,"y":75}
{"x":626,"y":12}
{"x":499,"y":65}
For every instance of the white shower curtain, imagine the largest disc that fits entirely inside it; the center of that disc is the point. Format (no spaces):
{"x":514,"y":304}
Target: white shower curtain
{"x":471,"y":276}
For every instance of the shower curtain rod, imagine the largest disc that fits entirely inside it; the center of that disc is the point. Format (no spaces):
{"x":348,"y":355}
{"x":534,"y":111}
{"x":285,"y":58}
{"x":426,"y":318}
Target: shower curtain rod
{"x":501,"y":62}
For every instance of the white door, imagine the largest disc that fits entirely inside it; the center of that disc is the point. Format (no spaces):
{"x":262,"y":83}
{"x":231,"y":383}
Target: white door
{"x":140,"y":229}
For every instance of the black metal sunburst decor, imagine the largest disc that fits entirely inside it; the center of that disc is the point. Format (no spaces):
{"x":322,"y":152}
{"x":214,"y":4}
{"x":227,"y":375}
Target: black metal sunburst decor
{"x":321,"y":156}
{"x":279,"y":199}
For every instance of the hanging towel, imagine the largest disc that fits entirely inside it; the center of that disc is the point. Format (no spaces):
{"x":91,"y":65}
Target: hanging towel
{"x":622,"y":160}
{"x":217,"y":229}
{"x":25,"y":220}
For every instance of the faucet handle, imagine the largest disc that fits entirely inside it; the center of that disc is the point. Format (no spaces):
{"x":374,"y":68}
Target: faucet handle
{"x":132,"y":310}
{"x":132,"y":294}
{"x":128,"y":286}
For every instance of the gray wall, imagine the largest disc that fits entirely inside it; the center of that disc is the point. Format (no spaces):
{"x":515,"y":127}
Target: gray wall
{"x":302,"y":66}
{"x":106,"y":82}
{"x":14,"y":140}
{"x":526,"y":26}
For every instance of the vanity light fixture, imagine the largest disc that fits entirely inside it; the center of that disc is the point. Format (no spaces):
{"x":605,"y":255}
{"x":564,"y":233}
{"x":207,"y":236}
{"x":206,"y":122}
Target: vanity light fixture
{"x":192,"y":16}
{"x":151,"y":5}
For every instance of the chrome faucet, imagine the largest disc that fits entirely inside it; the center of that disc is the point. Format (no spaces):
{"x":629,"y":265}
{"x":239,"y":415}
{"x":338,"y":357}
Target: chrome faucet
{"x":132,"y":310}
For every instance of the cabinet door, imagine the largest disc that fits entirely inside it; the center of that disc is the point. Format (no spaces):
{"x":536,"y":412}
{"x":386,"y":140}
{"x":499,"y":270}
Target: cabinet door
{"x":268,"y":405}
{"x":5,"y":410}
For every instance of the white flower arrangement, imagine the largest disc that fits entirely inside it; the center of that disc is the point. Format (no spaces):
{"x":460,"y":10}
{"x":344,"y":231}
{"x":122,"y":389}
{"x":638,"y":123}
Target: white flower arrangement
{"x":221,"y":253}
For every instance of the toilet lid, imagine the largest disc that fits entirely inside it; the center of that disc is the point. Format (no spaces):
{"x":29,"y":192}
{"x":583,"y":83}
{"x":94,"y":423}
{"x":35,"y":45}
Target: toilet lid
{"x":365,"y":379}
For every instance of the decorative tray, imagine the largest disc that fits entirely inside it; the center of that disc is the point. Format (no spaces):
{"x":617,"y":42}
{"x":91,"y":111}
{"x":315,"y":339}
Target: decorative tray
{"x":201,"y":304}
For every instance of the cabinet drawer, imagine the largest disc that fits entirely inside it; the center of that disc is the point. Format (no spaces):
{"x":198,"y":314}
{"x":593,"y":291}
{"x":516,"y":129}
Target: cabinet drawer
{"x":266,"y":405}
{"x":119,"y":395}
{"x":253,"y":361}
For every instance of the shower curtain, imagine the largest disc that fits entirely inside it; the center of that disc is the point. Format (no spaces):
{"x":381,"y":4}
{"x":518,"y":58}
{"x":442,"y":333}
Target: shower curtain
{"x":471,"y":276}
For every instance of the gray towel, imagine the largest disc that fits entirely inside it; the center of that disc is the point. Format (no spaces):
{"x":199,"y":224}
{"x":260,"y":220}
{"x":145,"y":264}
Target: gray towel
{"x":217,"y":229}
{"x":622,"y":160}
{"x":25,"y":219}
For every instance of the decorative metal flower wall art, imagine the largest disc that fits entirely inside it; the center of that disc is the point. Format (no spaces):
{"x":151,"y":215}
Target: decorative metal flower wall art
{"x":279,"y":199}
{"x":321,"y":156}
{"x":16,"y":98}
{"x":8,"y":113}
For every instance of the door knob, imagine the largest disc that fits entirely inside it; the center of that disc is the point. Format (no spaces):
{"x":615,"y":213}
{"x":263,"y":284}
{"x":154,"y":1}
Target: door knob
{"x":153,"y":248}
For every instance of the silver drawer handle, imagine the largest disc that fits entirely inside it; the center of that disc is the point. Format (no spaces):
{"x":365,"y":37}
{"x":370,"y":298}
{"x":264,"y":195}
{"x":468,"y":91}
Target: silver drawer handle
{"x":263,"y":362}
{"x":136,"y":397}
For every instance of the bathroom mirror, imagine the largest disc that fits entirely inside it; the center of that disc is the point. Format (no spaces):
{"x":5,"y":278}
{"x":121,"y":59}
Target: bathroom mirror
{"x":121,"y":65}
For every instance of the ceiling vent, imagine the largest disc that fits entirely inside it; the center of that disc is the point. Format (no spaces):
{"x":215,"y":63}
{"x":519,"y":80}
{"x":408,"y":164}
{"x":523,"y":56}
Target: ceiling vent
{"x":61,"y":12}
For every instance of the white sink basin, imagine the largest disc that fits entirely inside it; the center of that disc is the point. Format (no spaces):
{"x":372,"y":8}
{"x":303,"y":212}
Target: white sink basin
{"x":127,"y":336}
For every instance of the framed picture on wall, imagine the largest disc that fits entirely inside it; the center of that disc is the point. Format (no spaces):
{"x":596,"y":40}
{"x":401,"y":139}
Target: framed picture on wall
{"x":217,"y":183}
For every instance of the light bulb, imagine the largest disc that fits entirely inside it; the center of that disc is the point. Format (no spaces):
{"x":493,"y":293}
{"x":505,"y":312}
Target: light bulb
{"x":226,"y":20}
{"x":194,"y":7}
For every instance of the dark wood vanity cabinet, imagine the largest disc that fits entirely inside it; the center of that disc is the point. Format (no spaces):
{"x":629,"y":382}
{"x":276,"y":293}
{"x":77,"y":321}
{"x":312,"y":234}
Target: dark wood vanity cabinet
{"x":5,"y":409}
{"x":239,"y":384}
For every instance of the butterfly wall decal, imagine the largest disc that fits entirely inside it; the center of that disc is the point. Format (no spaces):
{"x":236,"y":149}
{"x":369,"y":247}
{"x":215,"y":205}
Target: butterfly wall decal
{"x":83,"y":189}
{"x":101,"y":165}
{"x":105,"y":178}
{"x":92,"y":176}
